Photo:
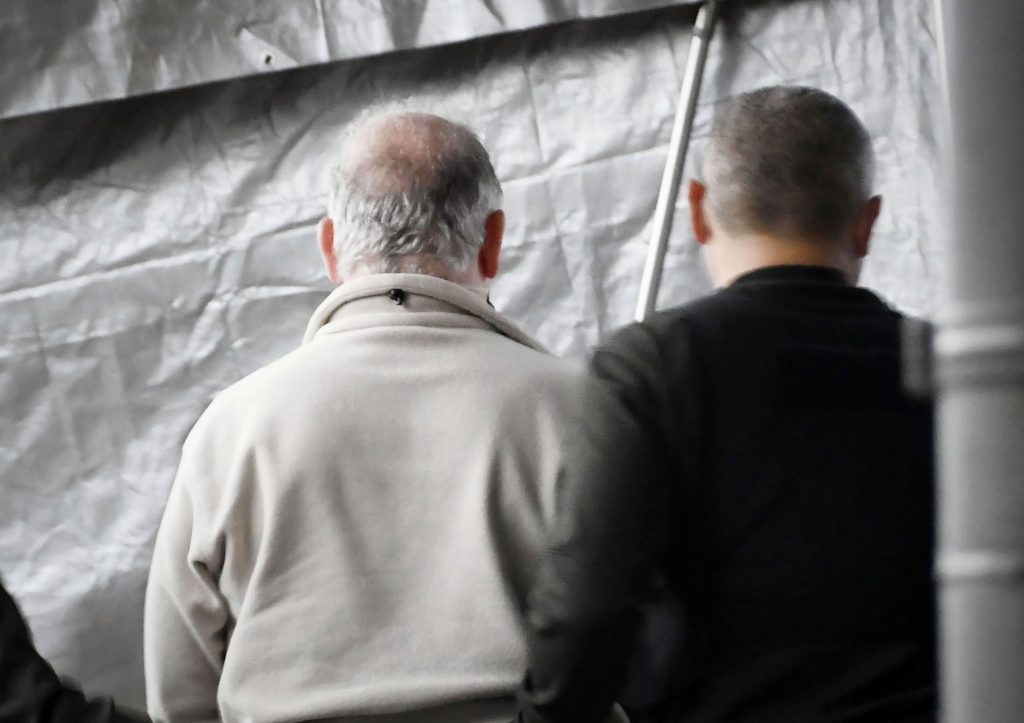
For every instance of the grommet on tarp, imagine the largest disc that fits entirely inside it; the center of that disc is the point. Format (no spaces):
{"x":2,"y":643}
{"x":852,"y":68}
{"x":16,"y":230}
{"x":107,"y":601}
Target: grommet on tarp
{"x":397,"y":296}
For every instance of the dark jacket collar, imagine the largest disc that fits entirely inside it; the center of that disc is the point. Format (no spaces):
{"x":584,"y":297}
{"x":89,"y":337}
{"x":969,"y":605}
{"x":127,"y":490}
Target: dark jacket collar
{"x":803,"y":274}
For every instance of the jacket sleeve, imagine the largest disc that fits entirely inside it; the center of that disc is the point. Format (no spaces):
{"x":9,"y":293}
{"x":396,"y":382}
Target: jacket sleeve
{"x":610,"y":530}
{"x":186,"y":616}
{"x":31,"y":692}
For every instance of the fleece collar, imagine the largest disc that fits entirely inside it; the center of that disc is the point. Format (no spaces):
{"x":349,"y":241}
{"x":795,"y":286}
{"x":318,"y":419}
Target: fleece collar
{"x":379,"y":285}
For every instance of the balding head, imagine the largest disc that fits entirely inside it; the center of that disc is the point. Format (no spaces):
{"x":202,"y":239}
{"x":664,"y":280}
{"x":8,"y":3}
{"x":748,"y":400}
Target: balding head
{"x":411,"y":192}
{"x":790,"y":164}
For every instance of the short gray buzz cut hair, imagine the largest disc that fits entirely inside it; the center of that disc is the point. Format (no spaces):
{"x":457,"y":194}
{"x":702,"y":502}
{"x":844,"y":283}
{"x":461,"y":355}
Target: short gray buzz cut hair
{"x":788,"y":160}
{"x":410,"y":193}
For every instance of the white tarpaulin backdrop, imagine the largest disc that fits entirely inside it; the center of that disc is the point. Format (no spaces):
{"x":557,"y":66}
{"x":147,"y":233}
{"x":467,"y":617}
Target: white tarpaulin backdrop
{"x":155,"y":248}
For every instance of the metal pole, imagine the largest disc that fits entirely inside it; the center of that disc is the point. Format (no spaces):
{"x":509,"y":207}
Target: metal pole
{"x":980,"y":362}
{"x":650,"y":282}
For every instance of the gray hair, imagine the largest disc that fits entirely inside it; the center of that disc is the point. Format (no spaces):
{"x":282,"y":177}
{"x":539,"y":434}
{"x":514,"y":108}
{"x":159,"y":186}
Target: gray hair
{"x":788,"y":160}
{"x":410,"y":193}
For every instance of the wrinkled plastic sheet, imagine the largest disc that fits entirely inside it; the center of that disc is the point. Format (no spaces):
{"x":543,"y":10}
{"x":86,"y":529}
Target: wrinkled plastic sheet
{"x":58,"y":54}
{"x":156,"y":249}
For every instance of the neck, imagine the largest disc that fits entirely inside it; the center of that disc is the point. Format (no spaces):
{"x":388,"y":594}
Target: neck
{"x":424,"y":266}
{"x":753,"y":252}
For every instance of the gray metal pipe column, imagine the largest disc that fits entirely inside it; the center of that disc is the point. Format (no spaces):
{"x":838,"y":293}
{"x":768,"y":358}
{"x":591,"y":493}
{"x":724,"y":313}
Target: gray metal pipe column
{"x":980,"y":363}
{"x":650,"y":281}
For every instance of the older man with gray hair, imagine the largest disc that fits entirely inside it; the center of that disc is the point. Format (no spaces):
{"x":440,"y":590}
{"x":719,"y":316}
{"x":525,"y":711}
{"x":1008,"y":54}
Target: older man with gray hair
{"x":353,"y":528}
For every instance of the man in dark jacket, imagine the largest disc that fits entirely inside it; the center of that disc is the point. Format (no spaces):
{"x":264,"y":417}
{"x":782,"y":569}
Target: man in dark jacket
{"x":754,"y":452}
{"x":31,"y":692}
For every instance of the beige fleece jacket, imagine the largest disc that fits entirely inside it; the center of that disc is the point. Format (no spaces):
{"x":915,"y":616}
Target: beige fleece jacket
{"x":353,"y":528}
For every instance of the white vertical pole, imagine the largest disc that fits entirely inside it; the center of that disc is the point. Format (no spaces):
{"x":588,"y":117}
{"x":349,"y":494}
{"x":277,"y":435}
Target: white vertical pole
{"x":980,"y":361}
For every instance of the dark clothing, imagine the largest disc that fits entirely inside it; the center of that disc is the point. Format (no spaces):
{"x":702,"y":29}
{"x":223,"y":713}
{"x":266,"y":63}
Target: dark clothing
{"x":754,"y":449}
{"x":30,"y":690}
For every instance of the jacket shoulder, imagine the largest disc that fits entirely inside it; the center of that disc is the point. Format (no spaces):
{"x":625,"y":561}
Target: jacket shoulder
{"x":654,"y":340}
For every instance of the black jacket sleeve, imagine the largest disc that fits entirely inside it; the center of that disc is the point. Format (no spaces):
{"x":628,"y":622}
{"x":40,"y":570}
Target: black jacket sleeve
{"x":31,"y":692}
{"x":612,"y":526}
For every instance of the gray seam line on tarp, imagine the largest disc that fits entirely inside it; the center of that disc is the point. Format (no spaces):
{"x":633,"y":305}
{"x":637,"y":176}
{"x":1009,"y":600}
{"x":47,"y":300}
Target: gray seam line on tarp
{"x":32,"y":105}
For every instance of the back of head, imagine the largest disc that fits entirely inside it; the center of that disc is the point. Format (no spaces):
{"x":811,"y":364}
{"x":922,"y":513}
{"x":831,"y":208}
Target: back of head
{"x":410,"y":193}
{"x":788,"y":162}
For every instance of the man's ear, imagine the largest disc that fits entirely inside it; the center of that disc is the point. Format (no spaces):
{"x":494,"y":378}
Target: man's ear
{"x":325,"y":239}
{"x":697,"y":192}
{"x":490,"y":251}
{"x":865,"y":223}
